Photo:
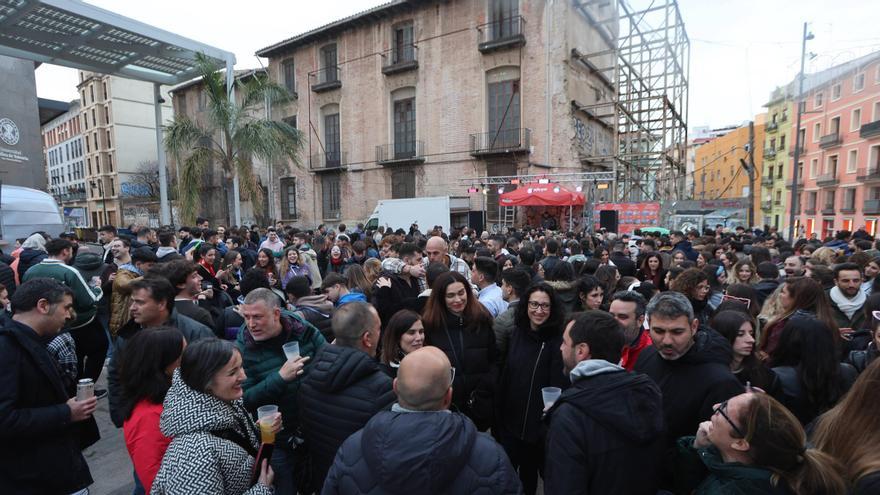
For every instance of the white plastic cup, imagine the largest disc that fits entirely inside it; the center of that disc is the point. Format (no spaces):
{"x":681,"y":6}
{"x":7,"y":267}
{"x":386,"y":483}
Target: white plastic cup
{"x":267,"y":411}
{"x":291,"y":350}
{"x":550,"y":394}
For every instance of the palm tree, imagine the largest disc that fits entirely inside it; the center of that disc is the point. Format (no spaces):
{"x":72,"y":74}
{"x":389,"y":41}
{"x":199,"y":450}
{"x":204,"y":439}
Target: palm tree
{"x":233,"y":135}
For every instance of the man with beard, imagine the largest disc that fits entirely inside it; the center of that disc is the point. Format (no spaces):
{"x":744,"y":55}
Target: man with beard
{"x":794,"y":267}
{"x":847,"y":297}
{"x":628,"y":308}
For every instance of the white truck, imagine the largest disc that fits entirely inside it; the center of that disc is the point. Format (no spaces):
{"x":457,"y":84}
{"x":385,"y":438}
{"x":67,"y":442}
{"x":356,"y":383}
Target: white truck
{"x":24,"y":211}
{"x":401,"y":213}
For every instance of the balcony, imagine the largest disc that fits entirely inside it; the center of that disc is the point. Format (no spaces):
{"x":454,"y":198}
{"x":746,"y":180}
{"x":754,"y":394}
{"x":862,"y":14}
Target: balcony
{"x":811,"y":210}
{"x":407,"y":152}
{"x":327,"y":79}
{"x":770,"y":153}
{"x":791,"y":151}
{"x":501,"y":142}
{"x":771,"y":127}
{"x":828,"y":210}
{"x":872,"y":207}
{"x":800,"y":182}
{"x":329,"y":161}
{"x":869,"y":174}
{"x":827,"y":180}
{"x":829,"y":140}
{"x":501,"y":34}
{"x":848,"y":209}
{"x":869,"y":130}
{"x":767,"y":181}
{"x":400,"y":59}
{"x":766,"y":205}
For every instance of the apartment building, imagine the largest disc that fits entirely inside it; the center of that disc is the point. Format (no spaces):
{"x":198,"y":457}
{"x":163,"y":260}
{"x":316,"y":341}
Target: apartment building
{"x":65,"y":165}
{"x":406,"y":99}
{"x":118,"y":127}
{"x":718,"y":168}
{"x":777,"y":152}
{"x":840,"y":163}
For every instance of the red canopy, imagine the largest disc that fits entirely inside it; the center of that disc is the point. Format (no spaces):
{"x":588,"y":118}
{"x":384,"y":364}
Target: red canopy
{"x":541,"y":195}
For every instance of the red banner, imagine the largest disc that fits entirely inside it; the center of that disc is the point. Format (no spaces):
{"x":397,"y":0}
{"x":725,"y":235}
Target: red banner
{"x":630,"y":216}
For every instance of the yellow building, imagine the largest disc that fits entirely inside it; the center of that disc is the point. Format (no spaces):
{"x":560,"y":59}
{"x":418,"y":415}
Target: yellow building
{"x":718,"y":172}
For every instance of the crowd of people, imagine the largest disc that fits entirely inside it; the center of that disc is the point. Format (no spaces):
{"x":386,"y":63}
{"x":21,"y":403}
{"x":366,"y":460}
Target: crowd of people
{"x":336,"y":360}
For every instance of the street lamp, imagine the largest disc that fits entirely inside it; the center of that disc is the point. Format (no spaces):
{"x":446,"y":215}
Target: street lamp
{"x":795,"y":206}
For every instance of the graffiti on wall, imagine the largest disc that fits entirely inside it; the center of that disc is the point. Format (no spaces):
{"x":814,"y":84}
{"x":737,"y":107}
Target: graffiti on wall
{"x":592,"y":138}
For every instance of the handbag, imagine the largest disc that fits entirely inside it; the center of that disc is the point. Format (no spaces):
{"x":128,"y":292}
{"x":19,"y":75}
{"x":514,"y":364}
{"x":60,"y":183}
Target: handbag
{"x":303,"y":467}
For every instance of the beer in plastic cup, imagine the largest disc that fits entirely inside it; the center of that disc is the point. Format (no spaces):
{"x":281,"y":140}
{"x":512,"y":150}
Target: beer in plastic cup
{"x":266,"y":415}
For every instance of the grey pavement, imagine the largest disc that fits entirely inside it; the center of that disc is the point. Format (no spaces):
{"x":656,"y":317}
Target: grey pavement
{"x":108,"y":459}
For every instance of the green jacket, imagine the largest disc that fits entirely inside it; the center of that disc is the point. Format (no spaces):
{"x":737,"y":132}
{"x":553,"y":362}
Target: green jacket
{"x":262,"y":360}
{"x":85,"y":298}
{"x":719,"y":477}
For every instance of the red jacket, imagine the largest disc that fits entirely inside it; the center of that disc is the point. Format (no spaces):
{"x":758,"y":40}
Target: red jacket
{"x":145,"y":442}
{"x":631,"y":353}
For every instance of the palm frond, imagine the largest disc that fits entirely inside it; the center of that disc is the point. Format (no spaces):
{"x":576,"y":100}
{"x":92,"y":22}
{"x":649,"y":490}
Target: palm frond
{"x":191,"y":177}
{"x":256,"y":90}
{"x":270,"y":140}
{"x":182,"y":134}
{"x":248,"y":183}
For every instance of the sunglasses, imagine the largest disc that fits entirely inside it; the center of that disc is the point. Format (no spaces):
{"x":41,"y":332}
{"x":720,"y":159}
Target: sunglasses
{"x":722,"y":410}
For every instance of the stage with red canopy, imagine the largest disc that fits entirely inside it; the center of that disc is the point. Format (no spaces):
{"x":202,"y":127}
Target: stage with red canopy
{"x":541,"y":195}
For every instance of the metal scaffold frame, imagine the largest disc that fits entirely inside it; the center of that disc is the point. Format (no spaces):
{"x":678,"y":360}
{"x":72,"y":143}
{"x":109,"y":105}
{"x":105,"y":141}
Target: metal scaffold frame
{"x":650,"y":104}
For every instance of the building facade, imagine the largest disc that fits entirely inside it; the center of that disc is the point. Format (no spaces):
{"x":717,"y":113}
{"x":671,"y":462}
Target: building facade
{"x":718,"y":170}
{"x":118,"y":126}
{"x":777,"y":150}
{"x":840,"y":164}
{"x":65,"y":165}
{"x":407,"y":99}
{"x":20,"y":143}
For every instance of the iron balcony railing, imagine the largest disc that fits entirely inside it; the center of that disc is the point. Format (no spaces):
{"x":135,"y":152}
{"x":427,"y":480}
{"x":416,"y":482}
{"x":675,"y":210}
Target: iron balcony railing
{"x":400,"y":58}
{"x":800,"y":182}
{"x":766,"y":205}
{"x":767,"y":180}
{"x":826,"y":180}
{"x":502,"y":33}
{"x":327,"y":78}
{"x":501,"y":141}
{"x":872,"y":207}
{"x":770,"y":152}
{"x":828,"y":210}
{"x":329,"y":160}
{"x":771,"y":127}
{"x":829,"y":140}
{"x":401,"y":152}
{"x":870,"y":129}
{"x":869,"y":174}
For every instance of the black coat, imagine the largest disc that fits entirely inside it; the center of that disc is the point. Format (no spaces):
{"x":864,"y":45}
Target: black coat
{"x":625,"y":265}
{"x":421,"y":452}
{"x":39,"y":446}
{"x":764,"y":288}
{"x":533,"y":362}
{"x":28,"y":258}
{"x":599,"y":425}
{"x":343,"y":389}
{"x":471,"y":350}
{"x":693,"y":383}
{"x":863,"y":358}
{"x":390,"y":300}
{"x":794,"y":397}
{"x":7,"y":278}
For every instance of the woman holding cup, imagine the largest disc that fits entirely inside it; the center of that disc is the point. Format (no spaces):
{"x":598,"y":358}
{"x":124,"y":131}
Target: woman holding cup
{"x":215,"y":442}
{"x":533,"y":363}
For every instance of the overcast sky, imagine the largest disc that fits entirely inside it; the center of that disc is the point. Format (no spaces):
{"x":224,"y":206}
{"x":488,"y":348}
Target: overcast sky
{"x":740,"y":49}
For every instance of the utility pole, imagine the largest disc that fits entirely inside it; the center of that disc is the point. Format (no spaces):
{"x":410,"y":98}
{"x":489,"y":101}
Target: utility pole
{"x":795,"y":207}
{"x":750,"y":170}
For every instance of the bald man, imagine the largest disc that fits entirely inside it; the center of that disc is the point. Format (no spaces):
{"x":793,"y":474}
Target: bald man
{"x":436,"y":250}
{"x":421,"y":445}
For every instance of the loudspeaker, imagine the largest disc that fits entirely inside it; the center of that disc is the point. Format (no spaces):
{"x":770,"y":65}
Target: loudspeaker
{"x":608,"y":220}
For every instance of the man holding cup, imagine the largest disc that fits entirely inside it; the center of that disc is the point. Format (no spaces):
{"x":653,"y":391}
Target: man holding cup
{"x":39,"y":422}
{"x":608,"y":418}
{"x":275,"y":345}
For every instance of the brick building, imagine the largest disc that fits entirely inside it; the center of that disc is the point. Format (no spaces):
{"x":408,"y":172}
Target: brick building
{"x":405,"y":99}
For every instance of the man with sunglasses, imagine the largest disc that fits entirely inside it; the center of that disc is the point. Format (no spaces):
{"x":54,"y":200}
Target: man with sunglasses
{"x":690,"y":366}
{"x":422,"y":446}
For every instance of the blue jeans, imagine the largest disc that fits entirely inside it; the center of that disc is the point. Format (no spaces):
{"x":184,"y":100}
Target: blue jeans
{"x":282,"y":465}
{"x":138,"y":487}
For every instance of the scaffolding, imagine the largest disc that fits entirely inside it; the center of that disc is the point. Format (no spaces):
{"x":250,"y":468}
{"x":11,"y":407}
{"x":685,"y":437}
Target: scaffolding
{"x":650,"y":101}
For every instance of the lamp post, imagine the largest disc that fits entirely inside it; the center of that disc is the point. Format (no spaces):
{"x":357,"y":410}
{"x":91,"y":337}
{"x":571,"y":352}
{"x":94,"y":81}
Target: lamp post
{"x":795,"y":206}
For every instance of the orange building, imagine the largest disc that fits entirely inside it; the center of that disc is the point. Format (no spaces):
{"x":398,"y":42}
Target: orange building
{"x":718,"y":173}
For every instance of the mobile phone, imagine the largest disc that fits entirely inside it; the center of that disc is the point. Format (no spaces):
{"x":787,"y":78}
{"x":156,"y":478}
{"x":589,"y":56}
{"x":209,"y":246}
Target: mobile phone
{"x":265,"y":452}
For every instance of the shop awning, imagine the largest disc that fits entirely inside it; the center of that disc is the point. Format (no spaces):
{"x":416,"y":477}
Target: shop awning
{"x":541,"y":195}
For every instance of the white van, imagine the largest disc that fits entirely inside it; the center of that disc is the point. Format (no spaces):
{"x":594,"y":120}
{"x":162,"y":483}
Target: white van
{"x":24,"y":211}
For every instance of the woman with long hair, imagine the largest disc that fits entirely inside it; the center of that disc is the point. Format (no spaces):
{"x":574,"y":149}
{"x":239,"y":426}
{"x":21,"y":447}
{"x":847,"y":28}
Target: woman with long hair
{"x":694,"y":284}
{"x":562,"y":279}
{"x":678,"y":257}
{"x":357,"y":280}
{"x":850,"y":432}
{"x":608,"y":276}
{"x":533,"y":362}
{"x":403,"y":334}
{"x":292,"y":266}
{"x":798,"y":294}
{"x":461,"y":327}
{"x":738,"y":327}
{"x":266,"y":263}
{"x":146,"y":365}
{"x":744,"y":272}
{"x":652,"y":270}
{"x":806,"y":362}
{"x":753,"y":444}
{"x":215,"y":442}
{"x":230,"y":273}
{"x":372,"y":269}
{"x":602,"y":254}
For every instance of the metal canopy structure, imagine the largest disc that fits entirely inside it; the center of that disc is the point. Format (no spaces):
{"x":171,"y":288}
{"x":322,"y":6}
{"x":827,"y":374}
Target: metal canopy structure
{"x":75,"y":34}
{"x":650,"y":102}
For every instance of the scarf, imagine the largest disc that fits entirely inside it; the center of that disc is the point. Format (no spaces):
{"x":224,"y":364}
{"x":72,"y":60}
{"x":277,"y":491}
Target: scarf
{"x":208,"y":267}
{"x":847,"y":306}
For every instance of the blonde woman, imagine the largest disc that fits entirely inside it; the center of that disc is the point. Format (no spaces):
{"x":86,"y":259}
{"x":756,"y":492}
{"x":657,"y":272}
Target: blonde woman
{"x":372,"y":269}
{"x":825,"y":255}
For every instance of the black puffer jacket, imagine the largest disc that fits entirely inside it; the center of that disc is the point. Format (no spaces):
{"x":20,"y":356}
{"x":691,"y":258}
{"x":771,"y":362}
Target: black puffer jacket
{"x":28,"y":258}
{"x":693,"y":383}
{"x":7,"y":278}
{"x":608,"y":418}
{"x":421,"y":452}
{"x":534,"y":362}
{"x":344,"y":388}
{"x":862,"y":359}
{"x":471,"y":350}
{"x":794,"y":395}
